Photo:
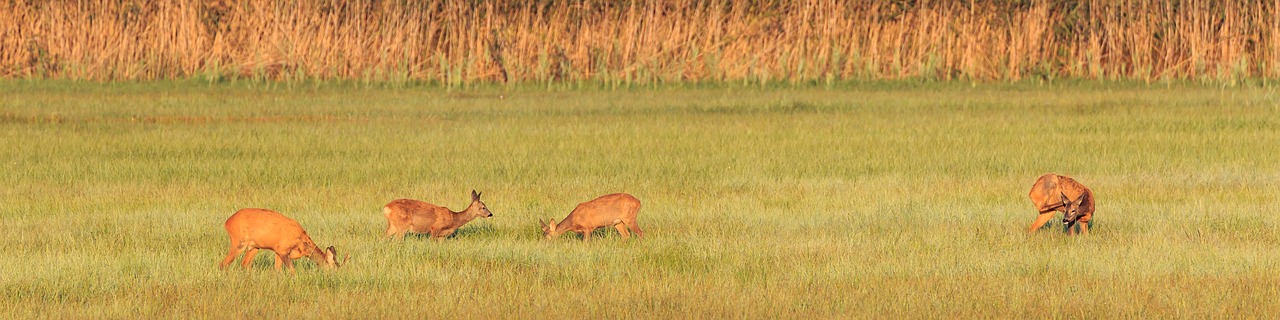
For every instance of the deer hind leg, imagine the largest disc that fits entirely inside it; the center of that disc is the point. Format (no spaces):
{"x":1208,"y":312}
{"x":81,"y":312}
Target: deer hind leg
{"x":394,"y":218}
{"x":231,"y":256}
{"x":393,"y":232}
{"x":248,"y":258}
{"x":389,"y":233}
{"x":1040,"y":221}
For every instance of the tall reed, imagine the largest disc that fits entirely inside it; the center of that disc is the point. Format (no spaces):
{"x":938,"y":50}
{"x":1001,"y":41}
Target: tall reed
{"x":640,"y":41}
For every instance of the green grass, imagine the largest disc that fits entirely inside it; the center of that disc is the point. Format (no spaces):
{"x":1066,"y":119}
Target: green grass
{"x":759,"y":202}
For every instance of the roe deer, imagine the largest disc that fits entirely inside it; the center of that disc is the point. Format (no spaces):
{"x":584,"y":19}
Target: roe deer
{"x":618,"y":210}
{"x":1054,"y":193}
{"x":405,"y":215}
{"x":252,"y":229}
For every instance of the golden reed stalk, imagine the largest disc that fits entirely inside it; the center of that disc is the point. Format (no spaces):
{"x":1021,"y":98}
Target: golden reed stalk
{"x":640,"y":41}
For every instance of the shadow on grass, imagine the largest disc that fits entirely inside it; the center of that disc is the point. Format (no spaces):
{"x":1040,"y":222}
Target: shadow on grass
{"x":601,"y":234}
{"x":477,"y":231}
{"x":1055,"y":224}
{"x":466,"y":232}
{"x":265,"y":261}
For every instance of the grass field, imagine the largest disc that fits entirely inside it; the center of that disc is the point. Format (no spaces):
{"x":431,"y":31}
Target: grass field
{"x":882,"y":200}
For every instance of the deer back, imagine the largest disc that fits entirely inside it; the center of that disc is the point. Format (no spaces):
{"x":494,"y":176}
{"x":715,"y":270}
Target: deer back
{"x":419,"y":214}
{"x":267,"y":229}
{"x":1074,"y":191}
{"x":604,"y":211}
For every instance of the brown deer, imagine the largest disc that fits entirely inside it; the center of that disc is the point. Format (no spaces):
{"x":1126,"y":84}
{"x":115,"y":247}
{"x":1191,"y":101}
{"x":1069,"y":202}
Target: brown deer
{"x":405,"y":215}
{"x":1055,"y":193}
{"x":618,"y":210}
{"x":252,"y":229}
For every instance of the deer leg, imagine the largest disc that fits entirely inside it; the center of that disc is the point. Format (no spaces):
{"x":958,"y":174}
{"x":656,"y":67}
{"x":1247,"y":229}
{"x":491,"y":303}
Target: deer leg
{"x":279,"y":261}
{"x":392,"y":232}
{"x":288,"y":262}
{"x":248,"y":258}
{"x":231,"y":257}
{"x":1040,"y":221}
{"x":622,"y":229}
{"x":586,"y":235}
{"x":635,"y":228}
{"x":1084,"y":228}
{"x":1051,"y":207}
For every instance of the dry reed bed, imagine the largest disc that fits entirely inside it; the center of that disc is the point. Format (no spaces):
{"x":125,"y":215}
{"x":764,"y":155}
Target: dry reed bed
{"x":457,"y":42}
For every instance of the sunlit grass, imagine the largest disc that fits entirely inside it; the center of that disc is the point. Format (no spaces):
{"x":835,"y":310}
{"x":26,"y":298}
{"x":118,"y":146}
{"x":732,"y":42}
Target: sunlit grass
{"x":758,"y":202}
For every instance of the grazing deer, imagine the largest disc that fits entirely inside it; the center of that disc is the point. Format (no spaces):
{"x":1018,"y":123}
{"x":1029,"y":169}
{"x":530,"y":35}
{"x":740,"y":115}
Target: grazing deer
{"x":618,"y":210}
{"x":1054,"y":193}
{"x":253,"y":229}
{"x":404,"y":215}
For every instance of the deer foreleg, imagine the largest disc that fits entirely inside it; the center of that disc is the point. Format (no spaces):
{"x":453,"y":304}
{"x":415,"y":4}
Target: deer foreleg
{"x":280,"y":260}
{"x":622,"y":229}
{"x":248,"y":258}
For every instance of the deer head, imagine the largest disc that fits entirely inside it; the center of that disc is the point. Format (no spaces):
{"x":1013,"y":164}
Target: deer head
{"x":478,"y":208}
{"x":1072,"y":209}
{"x":327,"y":258}
{"x":549,"y":229}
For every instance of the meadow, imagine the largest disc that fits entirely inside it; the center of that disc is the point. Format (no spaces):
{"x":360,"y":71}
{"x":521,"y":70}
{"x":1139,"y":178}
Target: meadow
{"x":854,"y":200}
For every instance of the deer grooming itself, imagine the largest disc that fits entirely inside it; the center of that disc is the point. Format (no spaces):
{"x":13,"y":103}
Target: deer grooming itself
{"x":253,"y":229}
{"x":1054,"y":193}
{"x":617,"y":210}
{"x":408,"y":215}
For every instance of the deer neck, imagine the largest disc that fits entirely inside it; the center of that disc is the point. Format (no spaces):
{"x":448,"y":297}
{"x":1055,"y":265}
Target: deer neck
{"x":312,"y":251}
{"x":316,"y":255}
{"x":561,"y":228}
{"x":462,"y":217}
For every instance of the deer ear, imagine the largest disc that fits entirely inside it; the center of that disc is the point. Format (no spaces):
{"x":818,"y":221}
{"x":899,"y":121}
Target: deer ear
{"x":474,"y":195}
{"x":331,"y":250}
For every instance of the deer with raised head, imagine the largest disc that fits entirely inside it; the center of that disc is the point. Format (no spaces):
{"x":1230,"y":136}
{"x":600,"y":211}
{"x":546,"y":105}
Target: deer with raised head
{"x":1055,"y":193}
{"x":408,"y":215}
{"x":613,"y":210}
{"x":252,"y":229}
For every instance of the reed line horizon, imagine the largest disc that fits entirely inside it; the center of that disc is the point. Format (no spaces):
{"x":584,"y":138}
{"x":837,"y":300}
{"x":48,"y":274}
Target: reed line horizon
{"x":629,"y":42}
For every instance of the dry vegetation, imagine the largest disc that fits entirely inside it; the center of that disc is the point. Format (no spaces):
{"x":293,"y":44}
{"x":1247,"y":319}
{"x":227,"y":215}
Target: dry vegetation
{"x":457,"y":42}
